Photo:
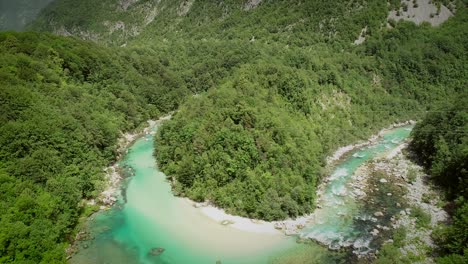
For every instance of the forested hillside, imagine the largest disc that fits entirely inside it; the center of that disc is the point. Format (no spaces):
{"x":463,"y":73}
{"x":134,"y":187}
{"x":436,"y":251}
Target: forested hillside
{"x":265,"y":90}
{"x":278,"y":85}
{"x":64,"y":103}
{"x":16,"y":14}
{"x":283,"y":107}
{"x":116,"y":22}
{"x":441,"y":142}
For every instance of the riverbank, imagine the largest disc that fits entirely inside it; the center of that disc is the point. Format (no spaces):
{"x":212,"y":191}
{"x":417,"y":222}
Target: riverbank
{"x":403,"y":208}
{"x":424,"y":206}
{"x":292,"y":227}
{"x":340,"y":152}
{"x":153,"y":218}
{"x":113,"y":179}
{"x":114,"y":174}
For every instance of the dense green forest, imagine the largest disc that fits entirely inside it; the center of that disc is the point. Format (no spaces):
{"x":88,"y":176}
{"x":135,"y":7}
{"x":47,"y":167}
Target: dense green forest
{"x":294,"y":22}
{"x":64,"y":103}
{"x":263,"y":96}
{"x":283,"y":109}
{"x":441,"y":141}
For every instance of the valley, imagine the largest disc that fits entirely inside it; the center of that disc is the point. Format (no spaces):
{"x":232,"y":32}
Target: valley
{"x":254,"y":101}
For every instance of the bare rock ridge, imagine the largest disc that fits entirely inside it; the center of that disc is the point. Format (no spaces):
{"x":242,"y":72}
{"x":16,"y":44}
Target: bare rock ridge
{"x":362,"y":37}
{"x":419,"y":11}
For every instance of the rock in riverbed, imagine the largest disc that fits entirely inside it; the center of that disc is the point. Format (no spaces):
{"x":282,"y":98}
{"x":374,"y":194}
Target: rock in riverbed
{"x":227,"y":222}
{"x":378,"y":214}
{"x":156,"y":251}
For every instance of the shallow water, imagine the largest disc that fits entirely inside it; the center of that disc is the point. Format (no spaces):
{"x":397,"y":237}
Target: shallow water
{"x":152,"y":217}
{"x":334,"y":223}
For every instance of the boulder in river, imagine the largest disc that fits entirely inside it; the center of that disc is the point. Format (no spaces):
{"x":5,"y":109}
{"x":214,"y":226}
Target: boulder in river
{"x":156,"y":251}
{"x":377,"y":214}
{"x":278,"y":225}
{"x":227,"y":222}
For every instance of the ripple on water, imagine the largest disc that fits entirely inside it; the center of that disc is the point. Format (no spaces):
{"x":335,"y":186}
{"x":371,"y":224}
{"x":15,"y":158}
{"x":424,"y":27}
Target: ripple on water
{"x":340,"y":222}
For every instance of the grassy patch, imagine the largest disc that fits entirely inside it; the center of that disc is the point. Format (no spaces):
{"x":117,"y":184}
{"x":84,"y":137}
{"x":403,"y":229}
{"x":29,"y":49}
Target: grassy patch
{"x":423,"y":219}
{"x":411,"y":175}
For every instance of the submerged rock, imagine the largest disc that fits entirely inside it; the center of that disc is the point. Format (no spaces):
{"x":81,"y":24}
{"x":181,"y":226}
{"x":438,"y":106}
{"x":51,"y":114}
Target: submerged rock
{"x":156,"y":251}
{"x":227,"y":222}
{"x":279,"y":226}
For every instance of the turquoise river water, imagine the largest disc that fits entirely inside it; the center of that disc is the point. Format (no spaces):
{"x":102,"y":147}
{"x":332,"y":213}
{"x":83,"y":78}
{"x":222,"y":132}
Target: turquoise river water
{"x":148,"y":216}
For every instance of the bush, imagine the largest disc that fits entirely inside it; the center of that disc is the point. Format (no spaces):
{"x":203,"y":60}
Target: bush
{"x":423,"y":219}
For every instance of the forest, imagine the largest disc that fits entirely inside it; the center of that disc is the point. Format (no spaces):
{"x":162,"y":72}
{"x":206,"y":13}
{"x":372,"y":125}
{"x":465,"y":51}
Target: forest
{"x":280,"y":112}
{"x":261,"y":97}
{"x":65,"y":103}
{"x":441,"y":141}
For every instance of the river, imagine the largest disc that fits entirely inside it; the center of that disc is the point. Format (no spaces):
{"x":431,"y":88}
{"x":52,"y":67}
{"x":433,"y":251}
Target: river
{"x":149,"y":216}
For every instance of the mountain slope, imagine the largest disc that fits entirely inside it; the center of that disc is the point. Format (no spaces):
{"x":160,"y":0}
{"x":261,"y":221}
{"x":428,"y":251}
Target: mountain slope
{"x":264,"y":60}
{"x":290,"y":107}
{"x":16,"y":14}
{"x":64,"y":105}
{"x":441,"y":140}
{"x":265,"y":91}
{"x":114,"y":21}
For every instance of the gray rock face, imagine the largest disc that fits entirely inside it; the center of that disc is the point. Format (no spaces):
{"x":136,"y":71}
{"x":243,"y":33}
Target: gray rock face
{"x":422,"y":11}
{"x":251,"y":4}
{"x":125,"y":4}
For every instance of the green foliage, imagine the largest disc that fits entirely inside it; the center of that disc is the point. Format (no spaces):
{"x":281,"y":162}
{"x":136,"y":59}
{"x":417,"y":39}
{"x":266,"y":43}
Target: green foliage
{"x":423,"y":219}
{"x":234,"y":144}
{"x":248,"y":156}
{"x":455,"y":237}
{"x":399,"y":237}
{"x":287,"y":22}
{"x":15,"y":14}
{"x":276,"y":89}
{"x":64,"y":104}
{"x":454,"y":259}
{"x":442,"y":143}
{"x":411,"y":175}
{"x":390,"y":254}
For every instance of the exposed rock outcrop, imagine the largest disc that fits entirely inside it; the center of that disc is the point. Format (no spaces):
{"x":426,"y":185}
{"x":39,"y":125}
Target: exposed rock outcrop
{"x":185,"y":7}
{"x":251,"y":4}
{"x":125,"y":4}
{"x":420,"y":11}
